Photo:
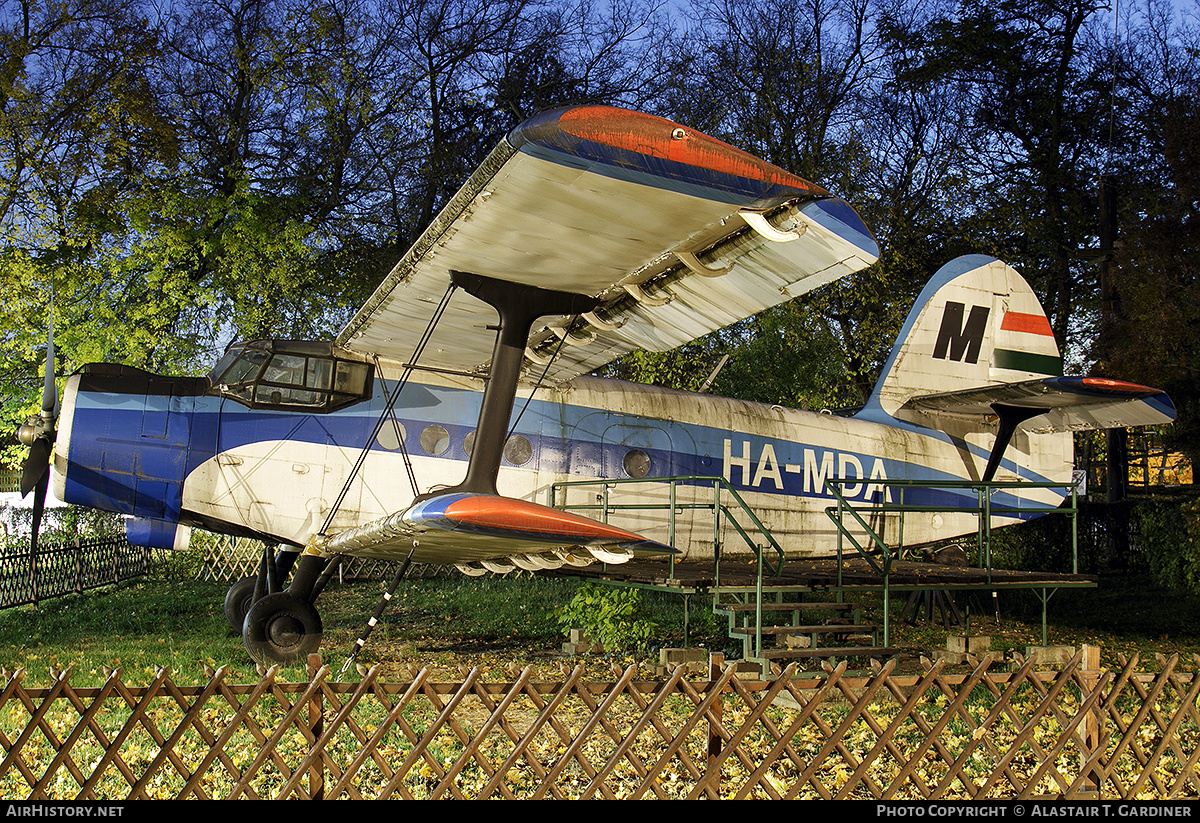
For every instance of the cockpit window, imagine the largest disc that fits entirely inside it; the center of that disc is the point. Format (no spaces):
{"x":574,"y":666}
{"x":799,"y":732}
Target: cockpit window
{"x":291,"y":375}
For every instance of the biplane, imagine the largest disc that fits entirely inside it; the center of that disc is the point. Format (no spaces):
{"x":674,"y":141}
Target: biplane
{"x":430,"y":429}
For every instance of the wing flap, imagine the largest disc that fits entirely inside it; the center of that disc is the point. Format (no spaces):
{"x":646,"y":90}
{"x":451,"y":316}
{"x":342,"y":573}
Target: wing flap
{"x":1064,"y":404}
{"x":614,"y":205}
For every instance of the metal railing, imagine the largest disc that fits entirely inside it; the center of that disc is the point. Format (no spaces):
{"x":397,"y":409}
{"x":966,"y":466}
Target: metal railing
{"x":765,"y":552}
{"x":984,"y":509}
{"x":874,"y":548}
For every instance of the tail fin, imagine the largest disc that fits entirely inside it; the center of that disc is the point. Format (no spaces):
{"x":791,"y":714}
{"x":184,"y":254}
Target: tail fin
{"x":977,"y":323}
{"x":978,"y":354}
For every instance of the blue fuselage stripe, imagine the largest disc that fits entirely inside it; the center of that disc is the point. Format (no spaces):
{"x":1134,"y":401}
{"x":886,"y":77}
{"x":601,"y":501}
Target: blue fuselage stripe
{"x":116,"y":464}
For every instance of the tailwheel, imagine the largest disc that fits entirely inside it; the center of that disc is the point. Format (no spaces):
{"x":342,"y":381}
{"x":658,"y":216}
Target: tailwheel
{"x":281,"y":628}
{"x":238,"y":601}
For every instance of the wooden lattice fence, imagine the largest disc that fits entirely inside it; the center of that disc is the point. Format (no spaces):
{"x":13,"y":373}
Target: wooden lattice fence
{"x":1075,"y":732}
{"x":68,"y":567}
{"x":226,"y":559}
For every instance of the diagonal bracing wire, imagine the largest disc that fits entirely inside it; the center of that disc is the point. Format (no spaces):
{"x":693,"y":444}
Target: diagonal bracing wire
{"x":542,"y":377}
{"x":389,"y":409}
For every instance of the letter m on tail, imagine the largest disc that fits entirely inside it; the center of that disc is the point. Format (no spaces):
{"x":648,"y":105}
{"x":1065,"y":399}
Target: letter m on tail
{"x":957,"y":340}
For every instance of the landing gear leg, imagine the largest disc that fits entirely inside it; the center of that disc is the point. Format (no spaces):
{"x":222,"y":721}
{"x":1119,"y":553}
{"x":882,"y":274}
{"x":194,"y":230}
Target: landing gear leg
{"x":284,"y":626}
{"x":273,"y":568}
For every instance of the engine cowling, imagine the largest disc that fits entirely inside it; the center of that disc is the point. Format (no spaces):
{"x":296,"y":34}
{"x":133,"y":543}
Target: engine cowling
{"x":125,"y":441}
{"x":157,"y":534}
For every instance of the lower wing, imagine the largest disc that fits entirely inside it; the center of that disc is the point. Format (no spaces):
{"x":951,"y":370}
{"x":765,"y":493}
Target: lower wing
{"x":482,"y":532}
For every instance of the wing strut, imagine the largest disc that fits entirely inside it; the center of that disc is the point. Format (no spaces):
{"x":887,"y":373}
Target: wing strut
{"x":383,"y":604}
{"x":518,"y":306}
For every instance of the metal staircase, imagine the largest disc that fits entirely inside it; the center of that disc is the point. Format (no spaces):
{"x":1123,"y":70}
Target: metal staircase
{"x":760,"y":613}
{"x":753,"y":614}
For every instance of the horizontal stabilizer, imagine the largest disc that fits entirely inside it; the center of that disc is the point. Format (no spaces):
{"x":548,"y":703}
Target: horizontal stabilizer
{"x":1057,"y":404}
{"x":493,"y":532}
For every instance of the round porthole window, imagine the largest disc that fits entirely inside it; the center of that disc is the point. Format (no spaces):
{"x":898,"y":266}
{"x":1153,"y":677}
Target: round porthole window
{"x":518,"y":450}
{"x":636,"y":463}
{"x":434,"y":439}
{"x":390,"y":436}
{"x":469,"y":443}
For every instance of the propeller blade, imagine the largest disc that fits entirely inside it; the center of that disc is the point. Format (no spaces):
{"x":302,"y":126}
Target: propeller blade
{"x":37,"y":465}
{"x":39,"y":506}
{"x":49,"y":391}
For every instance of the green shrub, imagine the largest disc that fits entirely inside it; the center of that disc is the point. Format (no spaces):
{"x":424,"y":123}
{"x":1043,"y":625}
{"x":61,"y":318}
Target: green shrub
{"x":608,"y":616}
{"x":1042,"y":544}
{"x":1169,"y":539}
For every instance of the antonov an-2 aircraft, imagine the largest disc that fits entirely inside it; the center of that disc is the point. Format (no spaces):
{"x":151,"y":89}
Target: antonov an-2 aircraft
{"x":432,"y":426}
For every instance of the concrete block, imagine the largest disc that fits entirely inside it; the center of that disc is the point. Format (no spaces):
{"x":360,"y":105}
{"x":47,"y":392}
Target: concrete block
{"x":694,"y":661}
{"x":959,"y":658}
{"x":1057,"y":655}
{"x":579,"y":643}
{"x":959,"y":648}
{"x":676,"y":657}
{"x":748,"y":670}
{"x":977,"y":645}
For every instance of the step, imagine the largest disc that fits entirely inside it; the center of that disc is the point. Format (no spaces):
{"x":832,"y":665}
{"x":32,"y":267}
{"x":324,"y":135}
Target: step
{"x":830,"y":651}
{"x":821,"y":629}
{"x":786,"y":607}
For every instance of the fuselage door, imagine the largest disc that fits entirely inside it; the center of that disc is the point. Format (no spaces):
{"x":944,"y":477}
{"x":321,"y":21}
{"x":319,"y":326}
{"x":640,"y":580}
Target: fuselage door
{"x":636,"y":450}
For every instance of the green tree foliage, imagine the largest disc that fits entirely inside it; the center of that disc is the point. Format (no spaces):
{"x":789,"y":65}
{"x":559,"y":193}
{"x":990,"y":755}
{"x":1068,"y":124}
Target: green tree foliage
{"x":77,"y":124}
{"x":792,"y":85}
{"x":1031,"y":80}
{"x":1169,"y":541}
{"x":1155,"y":332}
{"x":179,"y":176}
{"x":787,"y":355}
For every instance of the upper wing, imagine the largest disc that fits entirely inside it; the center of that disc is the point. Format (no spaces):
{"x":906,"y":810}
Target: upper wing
{"x":676,"y":233}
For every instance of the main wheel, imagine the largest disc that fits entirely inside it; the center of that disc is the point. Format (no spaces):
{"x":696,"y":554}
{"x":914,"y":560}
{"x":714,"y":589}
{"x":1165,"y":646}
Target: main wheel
{"x":238,"y":601}
{"x":281,"y":628}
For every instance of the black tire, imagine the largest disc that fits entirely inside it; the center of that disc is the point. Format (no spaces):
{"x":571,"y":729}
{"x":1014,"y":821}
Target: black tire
{"x":281,"y":628}
{"x":238,"y":601}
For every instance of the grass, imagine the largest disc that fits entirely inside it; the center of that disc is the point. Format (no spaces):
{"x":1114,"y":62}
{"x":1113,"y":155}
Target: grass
{"x":499,"y":625}
{"x":135,"y":626}
{"x":443,"y":623}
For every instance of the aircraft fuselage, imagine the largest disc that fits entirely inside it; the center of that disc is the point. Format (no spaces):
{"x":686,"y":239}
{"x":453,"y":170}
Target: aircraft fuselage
{"x":197,"y":453}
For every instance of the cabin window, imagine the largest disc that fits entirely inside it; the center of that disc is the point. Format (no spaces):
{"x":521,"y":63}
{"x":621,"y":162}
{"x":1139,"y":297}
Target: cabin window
{"x":279,"y":374}
{"x":636,"y":463}
{"x":518,"y":450}
{"x":390,"y":436}
{"x":434,"y":440}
